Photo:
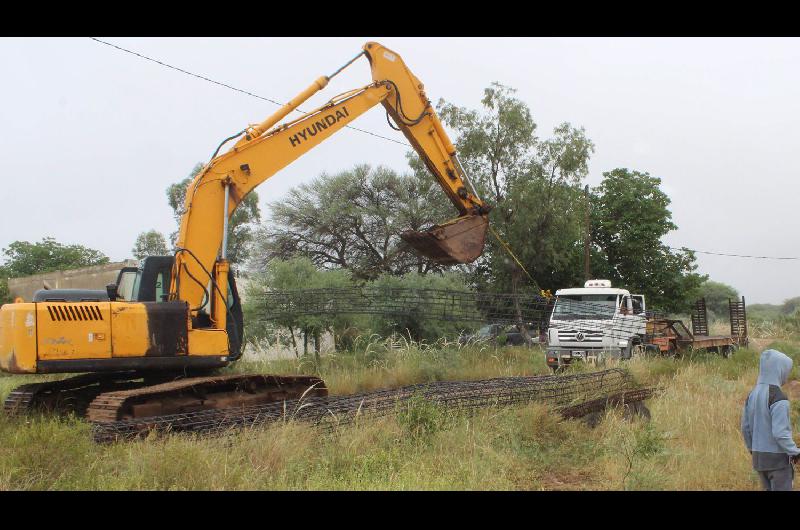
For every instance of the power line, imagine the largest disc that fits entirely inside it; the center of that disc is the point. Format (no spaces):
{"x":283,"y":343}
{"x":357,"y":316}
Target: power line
{"x":733,"y":255}
{"x":274,"y":102}
{"x":204,"y":78}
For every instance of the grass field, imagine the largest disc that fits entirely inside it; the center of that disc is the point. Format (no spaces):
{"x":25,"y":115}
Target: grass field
{"x":692,"y":441}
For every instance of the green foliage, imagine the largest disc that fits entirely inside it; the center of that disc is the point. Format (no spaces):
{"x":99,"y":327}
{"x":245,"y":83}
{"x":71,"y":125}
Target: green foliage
{"x":416,"y":325}
{"x":240,"y":226}
{"x":646,"y":443}
{"x":533,"y":184}
{"x":294,"y":274}
{"x":5,"y":297}
{"x":630,"y":215}
{"x":150,"y":243}
{"x":352,"y":220}
{"x":790,"y":306}
{"x":24,"y":258}
{"x":760,"y":312}
{"x":300,"y":274}
{"x":717,"y":295}
{"x":782,"y":314}
{"x":420,"y":417}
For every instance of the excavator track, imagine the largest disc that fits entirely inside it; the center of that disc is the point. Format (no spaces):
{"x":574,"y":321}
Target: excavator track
{"x":72,"y":394}
{"x":201,"y":393}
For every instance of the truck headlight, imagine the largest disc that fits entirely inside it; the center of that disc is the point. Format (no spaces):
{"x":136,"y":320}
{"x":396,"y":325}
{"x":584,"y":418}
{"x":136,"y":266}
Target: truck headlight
{"x":623,"y":343}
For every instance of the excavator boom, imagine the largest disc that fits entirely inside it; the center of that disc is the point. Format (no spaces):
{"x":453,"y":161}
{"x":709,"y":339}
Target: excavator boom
{"x":266,"y":148}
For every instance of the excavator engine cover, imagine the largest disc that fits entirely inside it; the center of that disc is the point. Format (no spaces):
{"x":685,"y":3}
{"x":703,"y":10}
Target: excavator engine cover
{"x":458,"y":241}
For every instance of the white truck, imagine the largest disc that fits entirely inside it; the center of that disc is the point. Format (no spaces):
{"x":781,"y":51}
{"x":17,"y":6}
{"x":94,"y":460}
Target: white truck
{"x":593,"y":323}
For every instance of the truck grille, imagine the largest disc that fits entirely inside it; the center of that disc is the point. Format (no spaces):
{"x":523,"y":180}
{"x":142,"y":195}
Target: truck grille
{"x":572,"y":335}
{"x":73,"y":312}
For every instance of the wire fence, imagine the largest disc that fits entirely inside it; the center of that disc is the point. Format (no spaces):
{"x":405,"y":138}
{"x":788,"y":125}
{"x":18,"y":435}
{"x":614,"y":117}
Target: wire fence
{"x":464,"y":307}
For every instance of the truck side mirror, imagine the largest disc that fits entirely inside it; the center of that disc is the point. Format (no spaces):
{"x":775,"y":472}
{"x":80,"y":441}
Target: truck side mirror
{"x":111,"y":290}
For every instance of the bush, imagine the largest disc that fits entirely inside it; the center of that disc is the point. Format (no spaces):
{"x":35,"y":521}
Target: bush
{"x":5,"y":297}
{"x":417,"y":326}
{"x":420,"y":417}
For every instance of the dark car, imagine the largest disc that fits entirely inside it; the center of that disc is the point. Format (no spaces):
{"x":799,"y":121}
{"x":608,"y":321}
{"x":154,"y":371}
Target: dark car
{"x":501,"y":334}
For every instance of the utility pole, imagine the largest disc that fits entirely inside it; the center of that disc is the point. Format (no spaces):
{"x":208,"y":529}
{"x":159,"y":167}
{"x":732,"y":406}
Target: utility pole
{"x":587,"y":266}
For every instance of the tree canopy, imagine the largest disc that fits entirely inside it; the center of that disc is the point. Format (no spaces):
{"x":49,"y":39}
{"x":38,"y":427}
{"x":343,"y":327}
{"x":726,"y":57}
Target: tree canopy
{"x":533,"y":185}
{"x":351,"y":220}
{"x":630,"y":215}
{"x":23,"y":258}
{"x":297,"y":273}
{"x":717,"y":295}
{"x":300,"y":274}
{"x":150,"y":243}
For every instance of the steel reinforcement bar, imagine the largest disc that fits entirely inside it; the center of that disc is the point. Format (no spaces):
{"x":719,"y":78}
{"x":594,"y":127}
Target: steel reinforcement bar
{"x":328,"y":412}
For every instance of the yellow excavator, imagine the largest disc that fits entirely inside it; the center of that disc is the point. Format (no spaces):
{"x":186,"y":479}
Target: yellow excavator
{"x":152,"y":345}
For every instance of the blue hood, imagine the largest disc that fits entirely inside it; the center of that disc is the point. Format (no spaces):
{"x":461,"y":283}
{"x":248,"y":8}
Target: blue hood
{"x":774,"y":368}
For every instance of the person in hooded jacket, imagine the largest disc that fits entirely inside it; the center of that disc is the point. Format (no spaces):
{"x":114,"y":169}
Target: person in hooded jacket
{"x":766,"y":426}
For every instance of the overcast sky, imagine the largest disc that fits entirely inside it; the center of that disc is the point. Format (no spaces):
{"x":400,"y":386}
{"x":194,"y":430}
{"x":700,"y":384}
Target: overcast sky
{"x":93,"y":136}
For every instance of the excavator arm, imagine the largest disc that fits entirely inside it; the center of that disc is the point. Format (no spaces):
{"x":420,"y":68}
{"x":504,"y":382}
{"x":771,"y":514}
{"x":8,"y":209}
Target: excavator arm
{"x":266,"y":148}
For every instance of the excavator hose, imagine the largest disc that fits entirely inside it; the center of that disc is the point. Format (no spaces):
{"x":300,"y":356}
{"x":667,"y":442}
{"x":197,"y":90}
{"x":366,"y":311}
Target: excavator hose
{"x":232,"y":320}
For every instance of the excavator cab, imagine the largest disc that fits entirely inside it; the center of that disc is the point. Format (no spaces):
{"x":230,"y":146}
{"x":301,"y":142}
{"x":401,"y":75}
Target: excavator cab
{"x":174,"y":316}
{"x":150,"y":282}
{"x":147,"y":283}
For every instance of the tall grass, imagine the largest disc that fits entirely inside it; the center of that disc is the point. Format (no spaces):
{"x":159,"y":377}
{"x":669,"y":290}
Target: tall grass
{"x":397,"y":361}
{"x":692,"y":441}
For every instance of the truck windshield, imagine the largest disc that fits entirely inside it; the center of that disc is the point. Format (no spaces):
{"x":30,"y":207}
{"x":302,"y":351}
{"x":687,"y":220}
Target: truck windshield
{"x":585,"y":306}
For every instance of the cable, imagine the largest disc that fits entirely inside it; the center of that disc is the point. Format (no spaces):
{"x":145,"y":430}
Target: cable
{"x":226,"y":140}
{"x":733,"y":255}
{"x":204,"y":78}
{"x":239,"y":334}
{"x":401,"y":113}
{"x":511,"y":253}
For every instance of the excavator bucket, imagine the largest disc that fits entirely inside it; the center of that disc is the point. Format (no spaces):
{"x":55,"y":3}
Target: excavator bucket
{"x":458,"y":241}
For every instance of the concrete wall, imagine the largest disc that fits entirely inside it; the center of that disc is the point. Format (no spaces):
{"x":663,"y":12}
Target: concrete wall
{"x":95,"y":277}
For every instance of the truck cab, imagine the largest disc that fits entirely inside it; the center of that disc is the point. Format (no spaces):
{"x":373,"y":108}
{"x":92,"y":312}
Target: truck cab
{"x":593,"y":323}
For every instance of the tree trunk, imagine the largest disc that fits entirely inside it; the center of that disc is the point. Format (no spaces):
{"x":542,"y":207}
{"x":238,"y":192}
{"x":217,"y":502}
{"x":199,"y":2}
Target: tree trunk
{"x":316,"y":345}
{"x":294,"y":342}
{"x":305,"y":342}
{"x":523,"y":330}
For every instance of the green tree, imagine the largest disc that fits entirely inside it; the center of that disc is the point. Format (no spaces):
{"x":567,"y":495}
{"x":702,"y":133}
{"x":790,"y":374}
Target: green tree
{"x":352,"y":220}
{"x":418,"y":323}
{"x":150,"y":243}
{"x":296,"y":274}
{"x":5,"y":297}
{"x":630,"y":215}
{"x":24,"y":258}
{"x":240,"y":227}
{"x":717,"y":295}
{"x":790,"y":305}
{"x":533,"y":184}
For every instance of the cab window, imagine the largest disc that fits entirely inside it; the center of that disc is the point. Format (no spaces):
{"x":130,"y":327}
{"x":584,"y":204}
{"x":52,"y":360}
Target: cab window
{"x":624,"y":307}
{"x":162,"y":286}
{"x":638,"y":305}
{"x":125,"y":285}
